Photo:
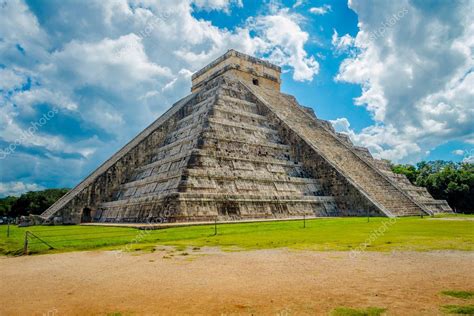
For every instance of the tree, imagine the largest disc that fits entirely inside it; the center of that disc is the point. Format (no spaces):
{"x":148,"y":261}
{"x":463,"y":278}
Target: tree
{"x":411,"y":172}
{"x":446,"y":180}
{"x":30,"y":202}
{"x":6,"y":205}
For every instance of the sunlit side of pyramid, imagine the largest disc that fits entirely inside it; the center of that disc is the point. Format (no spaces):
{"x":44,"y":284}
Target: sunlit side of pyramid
{"x":238,"y":148}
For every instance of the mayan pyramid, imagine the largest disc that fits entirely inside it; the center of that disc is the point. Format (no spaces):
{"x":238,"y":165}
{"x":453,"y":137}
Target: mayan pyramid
{"x":238,"y":148}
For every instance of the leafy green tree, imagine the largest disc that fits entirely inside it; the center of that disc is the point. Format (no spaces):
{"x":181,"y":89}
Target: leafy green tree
{"x":30,"y":203}
{"x":450,"y":181}
{"x":6,"y":205}
{"x":411,"y":172}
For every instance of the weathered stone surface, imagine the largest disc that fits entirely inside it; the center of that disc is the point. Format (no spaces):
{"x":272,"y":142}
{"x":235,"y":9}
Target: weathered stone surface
{"x":237,"y":148}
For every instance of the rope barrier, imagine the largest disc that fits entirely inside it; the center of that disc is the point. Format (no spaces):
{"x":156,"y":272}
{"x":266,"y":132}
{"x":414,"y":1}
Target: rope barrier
{"x":82,"y":234}
{"x":78,"y":227}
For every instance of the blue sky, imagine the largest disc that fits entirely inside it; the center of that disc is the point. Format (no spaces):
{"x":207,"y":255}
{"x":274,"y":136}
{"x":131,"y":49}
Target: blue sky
{"x":78,"y":79}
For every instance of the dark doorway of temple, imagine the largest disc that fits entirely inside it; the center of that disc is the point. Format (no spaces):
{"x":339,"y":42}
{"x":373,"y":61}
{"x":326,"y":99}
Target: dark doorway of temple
{"x":86,"y":215}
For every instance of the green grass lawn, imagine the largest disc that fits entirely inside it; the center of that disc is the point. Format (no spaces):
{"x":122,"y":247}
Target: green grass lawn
{"x":459,"y":294}
{"x":342,"y":234}
{"x":458,"y":309}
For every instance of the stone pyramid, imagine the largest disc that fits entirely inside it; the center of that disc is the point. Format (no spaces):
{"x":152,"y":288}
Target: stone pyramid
{"x":238,"y":148}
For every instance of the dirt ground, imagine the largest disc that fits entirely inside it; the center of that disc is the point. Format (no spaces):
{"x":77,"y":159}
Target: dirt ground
{"x":209,"y":281}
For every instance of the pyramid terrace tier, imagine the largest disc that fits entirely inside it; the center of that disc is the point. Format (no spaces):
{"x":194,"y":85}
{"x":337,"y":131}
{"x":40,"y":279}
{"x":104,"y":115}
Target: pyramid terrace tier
{"x":181,"y":207}
{"x":267,"y":180}
{"x":212,"y":160}
{"x":209,"y":158}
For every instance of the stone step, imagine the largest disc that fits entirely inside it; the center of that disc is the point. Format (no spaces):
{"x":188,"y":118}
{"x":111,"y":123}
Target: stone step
{"x":223,"y":107}
{"x":238,"y":142}
{"x":240,"y":125}
{"x":194,"y":117}
{"x":233,"y":100}
{"x":251,"y":137}
{"x":157,"y":178}
{"x":176,"y":147}
{"x":245,"y":120}
{"x":247,"y":175}
{"x":163,"y":161}
{"x":253,"y":197}
{"x":304,"y":205}
{"x":246,"y":158}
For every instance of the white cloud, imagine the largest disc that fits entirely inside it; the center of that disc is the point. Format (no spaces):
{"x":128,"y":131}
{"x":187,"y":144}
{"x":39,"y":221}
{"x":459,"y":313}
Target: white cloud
{"x":382,"y":141}
{"x":342,"y":44}
{"x":17,"y":188}
{"x":26,"y":133}
{"x":112,"y":64}
{"x":320,"y":10}
{"x":221,"y":5}
{"x":298,"y":3}
{"x":19,"y":29}
{"x":458,"y":152}
{"x":284,"y":39}
{"x":11,"y":79}
{"x":468,"y":155}
{"x":415,"y":65}
{"x":29,"y":98}
{"x":468,"y":159}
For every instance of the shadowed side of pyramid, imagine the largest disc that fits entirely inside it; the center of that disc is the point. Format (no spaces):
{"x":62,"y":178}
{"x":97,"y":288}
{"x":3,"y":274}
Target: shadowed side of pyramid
{"x":237,"y":148}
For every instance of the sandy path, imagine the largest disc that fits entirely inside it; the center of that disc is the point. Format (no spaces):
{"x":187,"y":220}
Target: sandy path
{"x":212,"y":282}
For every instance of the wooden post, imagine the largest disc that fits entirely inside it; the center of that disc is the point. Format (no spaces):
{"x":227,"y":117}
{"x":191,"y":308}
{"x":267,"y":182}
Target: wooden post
{"x":368,"y":216}
{"x":8,"y":227}
{"x":215,"y":226}
{"x":25,"y":246}
{"x":304,"y":220}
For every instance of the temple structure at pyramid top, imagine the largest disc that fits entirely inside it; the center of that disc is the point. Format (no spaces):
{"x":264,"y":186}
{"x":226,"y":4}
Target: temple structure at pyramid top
{"x":250,"y":69}
{"x":237,"y":148}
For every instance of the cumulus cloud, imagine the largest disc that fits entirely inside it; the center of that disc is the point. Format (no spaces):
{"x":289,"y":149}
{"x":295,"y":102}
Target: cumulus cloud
{"x":342,"y":44}
{"x":11,"y":79}
{"x":414,"y":62}
{"x":284,"y":40}
{"x":469,"y":158}
{"x":17,"y":188}
{"x":320,"y":10}
{"x":223,"y":5}
{"x":384,"y":142}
